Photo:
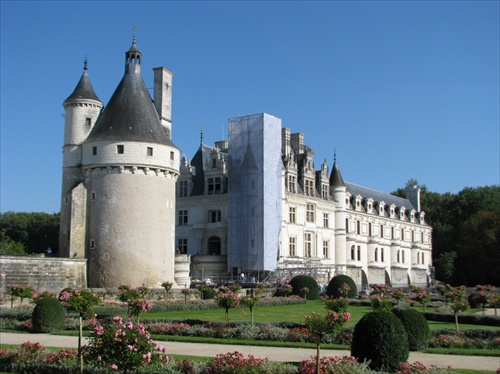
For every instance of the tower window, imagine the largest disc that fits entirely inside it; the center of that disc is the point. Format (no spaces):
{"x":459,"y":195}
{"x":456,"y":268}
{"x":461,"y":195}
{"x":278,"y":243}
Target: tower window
{"x":172,"y":156}
{"x":149,"y":151}
{"x":120,"y":149}
{"x":94,"y":151}
{"x":88,"y":122}
{"x":92,"y":244}
{"x":92,"y":196}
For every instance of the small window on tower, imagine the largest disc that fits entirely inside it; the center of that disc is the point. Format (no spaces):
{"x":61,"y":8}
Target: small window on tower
{"x":92,"y":196}
{"x":94,"y":151}
{"x":150,"y":151}
{"x":120,"y":149}
{"x":92,"y":243}
{"x":172,"y":156}
{"x":88,"y":122}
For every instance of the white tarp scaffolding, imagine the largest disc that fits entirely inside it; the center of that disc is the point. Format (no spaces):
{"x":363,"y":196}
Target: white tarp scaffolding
{"x":254,"y":192}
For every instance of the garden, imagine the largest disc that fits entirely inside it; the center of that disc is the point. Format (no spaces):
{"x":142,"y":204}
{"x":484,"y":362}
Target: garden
{"x":123,"y":325}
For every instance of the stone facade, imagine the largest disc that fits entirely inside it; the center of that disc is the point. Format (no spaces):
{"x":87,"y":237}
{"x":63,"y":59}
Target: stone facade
{"x":326,"y":226}
{"x":45,"y":273}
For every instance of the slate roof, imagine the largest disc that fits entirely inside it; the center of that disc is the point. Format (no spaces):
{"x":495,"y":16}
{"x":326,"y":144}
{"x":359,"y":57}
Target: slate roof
{"x":83,"y":89}
{"x":389,"y":199}
{"x":130,"y":114}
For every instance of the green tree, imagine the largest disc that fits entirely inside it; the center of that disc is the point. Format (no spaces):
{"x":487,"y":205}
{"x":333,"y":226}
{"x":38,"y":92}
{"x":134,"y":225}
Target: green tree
{"x":37,"y":231}
{"x":9,"y":247}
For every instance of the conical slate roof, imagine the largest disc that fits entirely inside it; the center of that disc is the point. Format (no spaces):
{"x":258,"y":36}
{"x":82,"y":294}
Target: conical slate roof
{"x":130,"y":114}
{"x":84,"y":89}
{"x":336,"y":179}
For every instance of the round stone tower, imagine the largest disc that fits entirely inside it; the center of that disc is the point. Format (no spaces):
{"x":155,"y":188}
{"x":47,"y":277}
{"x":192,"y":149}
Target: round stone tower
{"x":130,"y":166}
{"x":81,"y":110}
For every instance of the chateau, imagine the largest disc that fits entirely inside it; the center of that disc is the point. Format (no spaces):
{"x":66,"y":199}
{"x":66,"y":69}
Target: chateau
{"x":252,"y":207}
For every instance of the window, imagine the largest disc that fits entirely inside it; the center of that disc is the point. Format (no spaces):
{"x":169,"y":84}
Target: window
{"x":326,"y":246}
{"x":172,"y":156}
{"x":359,"y":253}
{"x":66,"y":200}
{"x":120,"y":149}
{"x":291,"y":183}
{"x":382,"y":254}
{"x":214,"y":163}
{"x":215,"y":215}
{"x":293,"y":247}
{"x":214,"y":186}
{"x":149,"y":151}
{"x":325,"y":220}
{"x":88,"y":122}
{"x":182,"y":246}
{"x":324,"y":191}
{"x":353,"y":253}
{"x":92,"y":196}
{"x":309,"y":187}
{"x":358,"y":227}
{"x":183,"y":217}
{"x":403,"y":256}
{"x":183,"y":188}
{"x":92,"y":244}
{"x":292,"y":214}
{"x":376,"y":255}
{"x":94,"y":151}
{"x":310,"y":212}
{"x":307,"y":244}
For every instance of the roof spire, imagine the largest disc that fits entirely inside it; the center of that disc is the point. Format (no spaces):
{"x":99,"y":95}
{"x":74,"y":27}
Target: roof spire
{"x":134,"y":30}
{"x":201,"y":136}
{"x":85,"y":67}
{"x":334,"y":155}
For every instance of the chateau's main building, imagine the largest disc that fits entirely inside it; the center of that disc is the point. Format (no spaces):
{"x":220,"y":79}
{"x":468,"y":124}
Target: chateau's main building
{"x":251,"y":205}
{"x":255,"y":204}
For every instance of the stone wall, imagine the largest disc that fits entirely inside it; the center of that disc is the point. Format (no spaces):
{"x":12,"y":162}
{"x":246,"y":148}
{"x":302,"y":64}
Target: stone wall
{"x":45,"y":273}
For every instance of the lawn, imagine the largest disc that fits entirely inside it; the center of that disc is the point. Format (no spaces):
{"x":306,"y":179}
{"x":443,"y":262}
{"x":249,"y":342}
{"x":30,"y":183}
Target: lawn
{"x":285,"y":313}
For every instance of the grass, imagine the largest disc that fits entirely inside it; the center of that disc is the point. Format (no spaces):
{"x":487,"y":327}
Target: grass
{"x":285,"y":313}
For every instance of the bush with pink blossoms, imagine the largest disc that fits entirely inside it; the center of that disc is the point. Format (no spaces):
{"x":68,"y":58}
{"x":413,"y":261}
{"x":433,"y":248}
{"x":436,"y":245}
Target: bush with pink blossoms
{"x":419,"y":368}
{"x":123,"y":346}
{"x":334,"y":365}
{"x":236,"y":362}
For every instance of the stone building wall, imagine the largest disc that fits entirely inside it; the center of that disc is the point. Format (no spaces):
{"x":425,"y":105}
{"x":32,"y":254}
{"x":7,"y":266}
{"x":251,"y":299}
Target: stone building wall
{"x":45,"y":273}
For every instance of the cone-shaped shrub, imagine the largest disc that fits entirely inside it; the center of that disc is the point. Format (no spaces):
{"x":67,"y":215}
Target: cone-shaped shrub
{"x":301,"y":282}
{"x":416,"y":327}
{"x":48,"y":315}
{"x":335,"y":287}
{"x":380,"y":337}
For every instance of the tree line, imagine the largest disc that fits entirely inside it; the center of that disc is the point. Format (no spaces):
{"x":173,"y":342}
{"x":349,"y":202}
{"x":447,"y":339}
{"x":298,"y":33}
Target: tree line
{"x":465,"y":235}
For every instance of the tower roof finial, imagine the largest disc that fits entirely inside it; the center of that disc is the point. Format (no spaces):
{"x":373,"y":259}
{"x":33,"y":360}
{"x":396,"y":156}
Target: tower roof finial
{"x":134,"y":30}
{"x":85,"y":67}
{"x":201,"y":135}
{"x":334,"y":154}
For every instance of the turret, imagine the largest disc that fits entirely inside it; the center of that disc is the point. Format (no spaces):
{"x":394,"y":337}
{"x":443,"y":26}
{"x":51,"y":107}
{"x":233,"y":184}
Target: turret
{"x":81,"y":110}
{"x":338,"y":192}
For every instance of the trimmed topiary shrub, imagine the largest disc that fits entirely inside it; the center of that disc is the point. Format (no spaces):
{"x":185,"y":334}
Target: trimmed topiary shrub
{"x":380,"y":337}
{"x":48,"y":315}
{"x":300,"y":282}
{"x":335,"y":284}
{"x":416,"y":326}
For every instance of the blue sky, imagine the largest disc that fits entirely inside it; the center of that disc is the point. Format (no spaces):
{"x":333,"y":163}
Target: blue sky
{"x":402,"y":90}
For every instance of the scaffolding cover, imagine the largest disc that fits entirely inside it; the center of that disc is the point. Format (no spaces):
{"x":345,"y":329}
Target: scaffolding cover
{"x":254,"y":192}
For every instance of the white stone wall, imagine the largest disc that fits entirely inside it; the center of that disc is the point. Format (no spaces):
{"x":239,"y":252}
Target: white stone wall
{"x":131,"y":227}
{"x":75,"y":115}
{"x":135,"y":153}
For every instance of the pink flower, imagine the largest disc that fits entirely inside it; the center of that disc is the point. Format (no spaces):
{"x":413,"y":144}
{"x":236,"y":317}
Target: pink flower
{"x":114,"y":367}
{"x":99,"y":359}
